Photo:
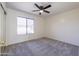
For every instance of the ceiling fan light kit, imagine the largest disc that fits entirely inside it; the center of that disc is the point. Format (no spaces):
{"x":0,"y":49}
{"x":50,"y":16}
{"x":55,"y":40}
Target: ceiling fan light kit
{"x":41,"y":11}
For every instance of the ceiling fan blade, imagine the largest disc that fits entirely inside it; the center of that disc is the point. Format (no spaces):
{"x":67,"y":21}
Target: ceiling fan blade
{"x":46,"y":11}
{"x":39,"y":13}
{"x":47,"y":6}
{"x":37,"y":6}
{"x":35,"y":10}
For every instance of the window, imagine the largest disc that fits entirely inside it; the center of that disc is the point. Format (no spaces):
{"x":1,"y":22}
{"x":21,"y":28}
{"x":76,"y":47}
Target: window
{"x":24,"y":26}
{"x":21,"y":25}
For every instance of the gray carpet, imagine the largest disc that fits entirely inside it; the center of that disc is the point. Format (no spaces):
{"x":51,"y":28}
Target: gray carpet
{"x":42,"y":47}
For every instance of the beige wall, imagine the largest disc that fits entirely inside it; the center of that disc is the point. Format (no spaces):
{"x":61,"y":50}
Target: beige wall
{"x":64,"y":27}
{"x":11,"y":27}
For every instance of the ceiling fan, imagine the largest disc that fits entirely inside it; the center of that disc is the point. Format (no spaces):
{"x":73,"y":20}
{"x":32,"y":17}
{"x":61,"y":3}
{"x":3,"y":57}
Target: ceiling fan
{"x":42,"y":9}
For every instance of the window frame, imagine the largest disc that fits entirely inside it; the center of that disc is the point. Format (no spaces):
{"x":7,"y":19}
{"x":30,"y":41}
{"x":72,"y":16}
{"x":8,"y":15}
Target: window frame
{"x":27,"y":25}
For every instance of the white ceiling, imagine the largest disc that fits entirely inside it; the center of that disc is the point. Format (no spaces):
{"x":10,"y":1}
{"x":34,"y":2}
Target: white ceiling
{"x":57,"y":7}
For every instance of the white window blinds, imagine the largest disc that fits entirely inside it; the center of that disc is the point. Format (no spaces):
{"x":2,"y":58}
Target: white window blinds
{"x":25,"y":26}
